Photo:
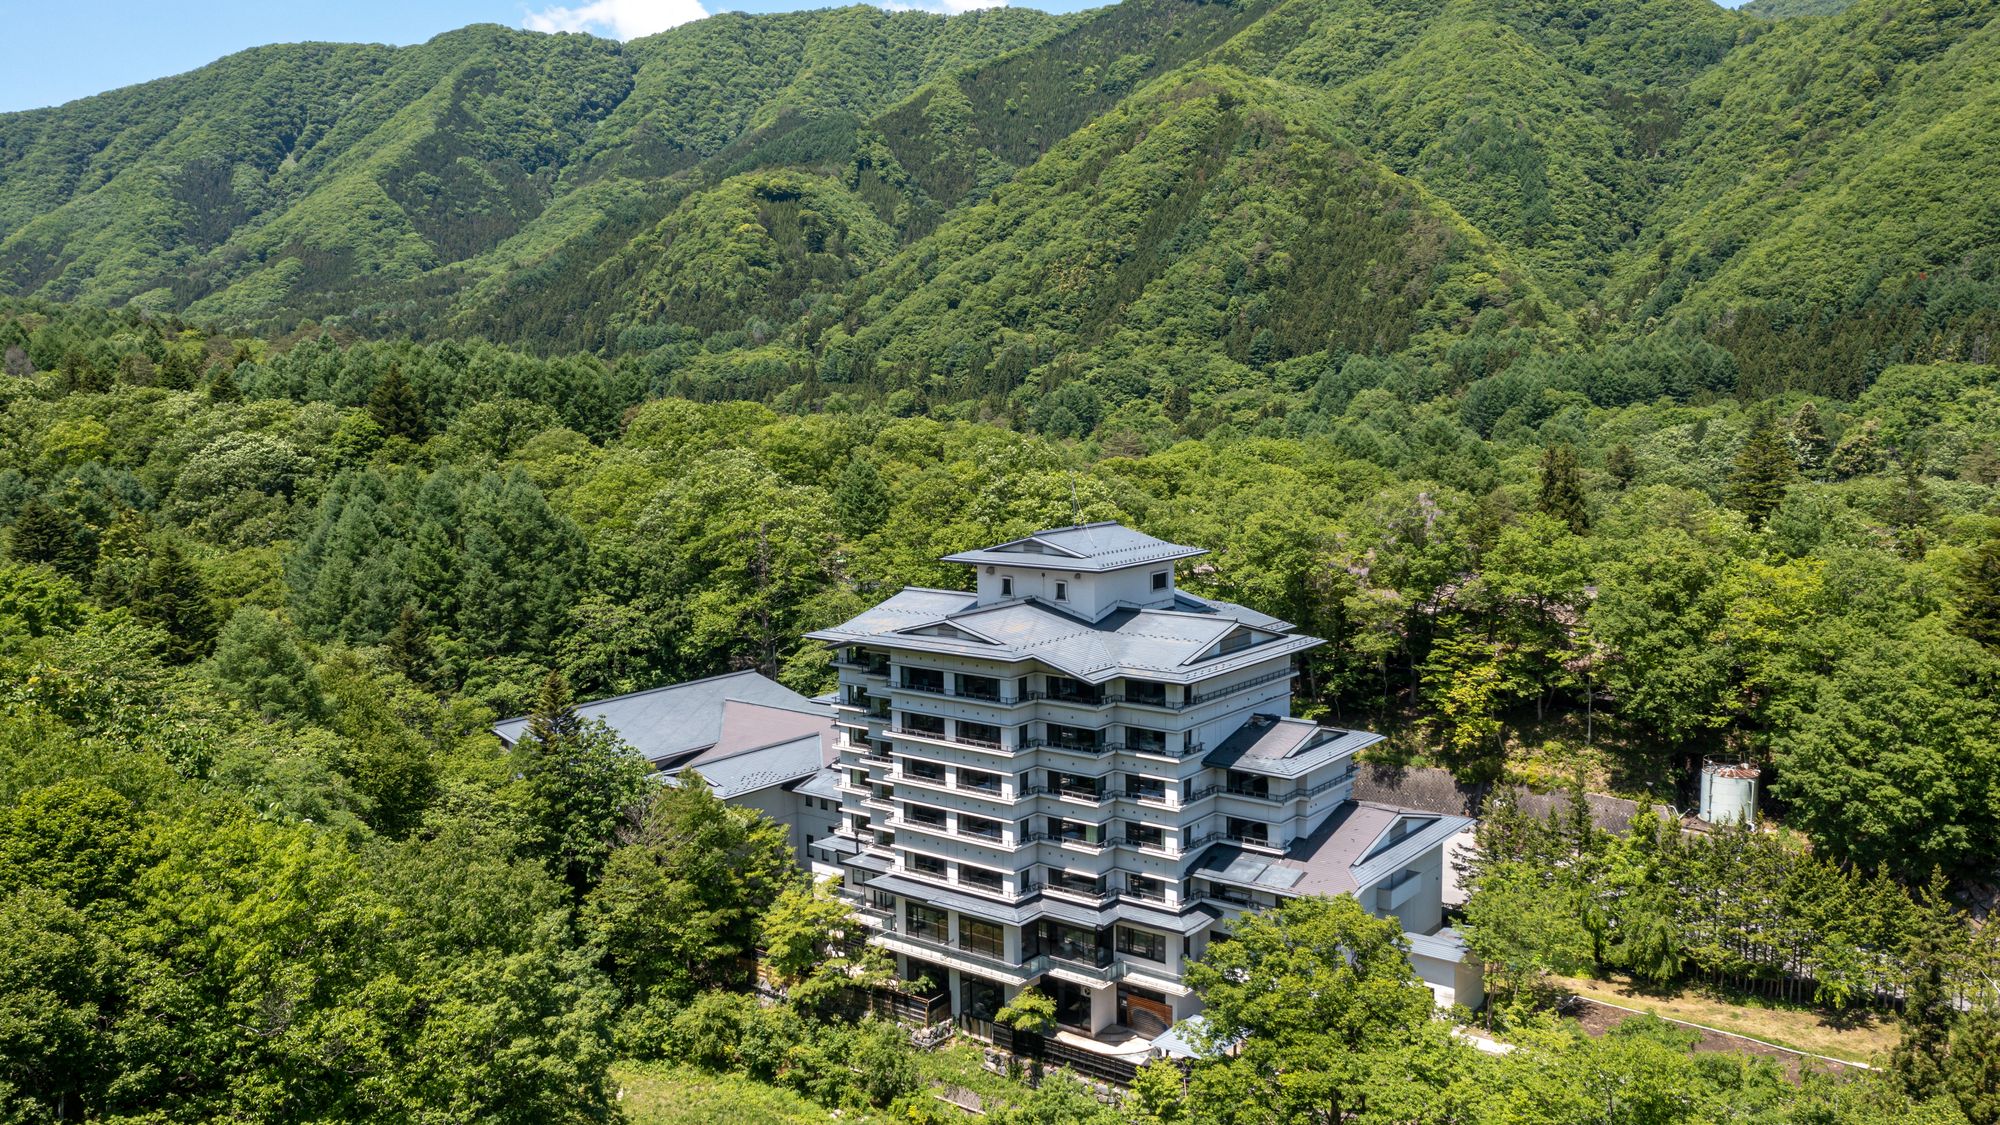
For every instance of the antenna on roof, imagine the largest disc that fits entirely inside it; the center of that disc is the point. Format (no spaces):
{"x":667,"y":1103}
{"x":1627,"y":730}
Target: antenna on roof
{"x":1075,"y":509}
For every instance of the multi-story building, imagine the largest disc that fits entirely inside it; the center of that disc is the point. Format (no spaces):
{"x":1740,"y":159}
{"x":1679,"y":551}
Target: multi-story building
{"x":1077,"y":774}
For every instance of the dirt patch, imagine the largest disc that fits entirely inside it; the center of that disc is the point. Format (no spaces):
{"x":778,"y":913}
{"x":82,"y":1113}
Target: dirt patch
{"x":1598,"y":1018}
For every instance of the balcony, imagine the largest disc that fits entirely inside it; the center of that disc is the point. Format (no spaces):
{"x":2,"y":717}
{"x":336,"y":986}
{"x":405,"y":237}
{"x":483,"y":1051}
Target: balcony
{"x":986,"y":691}
{"x":993,"y":746}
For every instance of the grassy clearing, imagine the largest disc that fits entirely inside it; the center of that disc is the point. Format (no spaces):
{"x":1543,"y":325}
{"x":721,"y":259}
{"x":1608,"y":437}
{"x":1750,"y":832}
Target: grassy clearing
{"x":1866,"y":1037}
{"x":960,"y":1064}
{"x":663,"y":1094}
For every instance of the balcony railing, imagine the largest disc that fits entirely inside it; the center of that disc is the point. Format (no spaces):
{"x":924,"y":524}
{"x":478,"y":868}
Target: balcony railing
{"x":955,"y":691}
{"x":941,"y":736}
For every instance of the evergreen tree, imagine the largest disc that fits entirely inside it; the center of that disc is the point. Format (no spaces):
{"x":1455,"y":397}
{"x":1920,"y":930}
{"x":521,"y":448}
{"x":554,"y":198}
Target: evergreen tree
{"x":1177,"y":405}
{"x":1763,"y":470}
{"x":394,"y":406}
{"x":578,"y":782}
{"x":1972,"y":1069}
{"x":44,"y":533}
{"x":222,"y":385}
{"x":1978,"y":587}
{"x":1918,"y":1063}
{"x":520,"y":567}
{"x":1561,"y":495}
{"x":1810,"y":445}
{"x":1911,"y":510}
{"x":260,"y":663}
{"x":123,"y":555}
{"x":1622,"y":464}
{"x":860,"y":501}
{"x":174,"y":596}
{"x":408,"y":647}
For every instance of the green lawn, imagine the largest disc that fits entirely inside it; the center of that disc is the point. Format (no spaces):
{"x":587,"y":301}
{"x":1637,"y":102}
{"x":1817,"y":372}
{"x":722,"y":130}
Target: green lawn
{"x":663,"y":1094}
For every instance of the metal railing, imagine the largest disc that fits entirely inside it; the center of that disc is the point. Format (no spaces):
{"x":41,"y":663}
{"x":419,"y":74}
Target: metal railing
{"x":941,"y":736}
{"x":953,"y":691}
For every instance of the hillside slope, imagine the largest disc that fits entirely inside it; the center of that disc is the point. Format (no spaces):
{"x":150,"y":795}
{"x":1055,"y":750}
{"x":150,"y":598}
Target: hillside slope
{"x":959,"y":208}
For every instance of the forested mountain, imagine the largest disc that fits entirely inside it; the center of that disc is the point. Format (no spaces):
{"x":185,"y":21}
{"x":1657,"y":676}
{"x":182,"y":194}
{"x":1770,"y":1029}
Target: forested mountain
{"x":1162,"y":198}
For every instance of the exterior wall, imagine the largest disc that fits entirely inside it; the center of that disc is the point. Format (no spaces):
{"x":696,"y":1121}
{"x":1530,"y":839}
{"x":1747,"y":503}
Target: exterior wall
{"x":1088,"y":595}
{"x":799,"y":815}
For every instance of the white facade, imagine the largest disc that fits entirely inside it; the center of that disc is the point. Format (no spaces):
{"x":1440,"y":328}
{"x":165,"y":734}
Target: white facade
{"x":1064,"y":778}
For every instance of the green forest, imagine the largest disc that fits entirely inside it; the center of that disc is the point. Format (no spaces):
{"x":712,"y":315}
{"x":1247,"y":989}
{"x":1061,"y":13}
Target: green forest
{"x":1612,"y":385}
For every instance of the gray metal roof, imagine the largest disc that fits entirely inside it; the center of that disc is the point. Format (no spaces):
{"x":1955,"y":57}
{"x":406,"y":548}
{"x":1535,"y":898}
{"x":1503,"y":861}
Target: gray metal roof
{"x":1157,"y":644}
{"x":1090,"y":547}
{"x":663,"y":723}
{"x":762,"y":768}
{"x":1346,"y":853}
{"x":1280,"y":746}
{"x":824,"y":784}
{"x":1445,"y":945}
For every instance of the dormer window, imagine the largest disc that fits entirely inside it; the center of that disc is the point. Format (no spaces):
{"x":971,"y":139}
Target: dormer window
{"x":1006,"y":587}
{"x":1062,"y":591}
{"x":1160,"y":581}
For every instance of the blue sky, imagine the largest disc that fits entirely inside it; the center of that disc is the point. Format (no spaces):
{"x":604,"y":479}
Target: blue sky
{"x":59,"y":50}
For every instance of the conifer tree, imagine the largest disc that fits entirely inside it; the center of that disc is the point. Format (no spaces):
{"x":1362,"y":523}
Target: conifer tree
{"x":1978,"y":583}
{"x":409,"y":648}
{"x":1918,"y":1062}
{"x":1764,"y":469}
{"x":1177,"y":404}
{"x":174,"y":597}
{"x":44,"y":533}
{"x":1561,"y":495}
{"x":1622,"y":464}
{"x":578,"y":782}
{"x":222,"y":385}
{"x":1810,"y":445}
{"x":860,"y":500}
{"x":260,"y":664}
{"x":394,"y":406}
{"x":1911,"y":509}
{"x":1972,"y":1070}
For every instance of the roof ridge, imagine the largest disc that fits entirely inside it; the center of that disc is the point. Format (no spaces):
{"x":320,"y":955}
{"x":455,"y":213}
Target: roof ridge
{"x":654,"y":691}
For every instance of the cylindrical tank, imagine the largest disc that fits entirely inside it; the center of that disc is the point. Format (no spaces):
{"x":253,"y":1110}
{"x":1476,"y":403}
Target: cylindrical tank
{"x":1729,"y":793}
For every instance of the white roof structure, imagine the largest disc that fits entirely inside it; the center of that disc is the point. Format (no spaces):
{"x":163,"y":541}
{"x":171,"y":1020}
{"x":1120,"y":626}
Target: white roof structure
{"x":1089,"y":548}
{"x":1177,"y":645}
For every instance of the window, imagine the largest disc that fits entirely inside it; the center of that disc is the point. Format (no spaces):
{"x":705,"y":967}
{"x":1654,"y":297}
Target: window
{"x":1065,"y":690}
{"x":979,"y":687}
{"x":1006,"y":587}
{"x":1062,"y":591}
{"x":1248,"y":831}
{"x":924,"y":815}
{"x":1149,"y":692}
{"x":927,"y":865}
{"x":979,"y":826}
{"x":1160,"y":580}
{"x":1074,"y":831}
{"x":928,"y":922}
{"x":921,"y":770}
{"x":979,"y":877}
{"x":1247,"y":784}
{"x":924,"y":679}
{"x":923,"y":724}
{"x":1145,"y":888}
{"x":1076,"y":884}
{"x":1143,"y":788}
{"x":984,"y":938}
{"x":1139,"y":943}
{"x":1145,"y":835}
{"x":1074,"y":738}
{"x":1076,"y":785}
{"x":979,"y":781}
{"x":881,"y":900}
{"x":1139,"y":740}
{"x":983,"y":734}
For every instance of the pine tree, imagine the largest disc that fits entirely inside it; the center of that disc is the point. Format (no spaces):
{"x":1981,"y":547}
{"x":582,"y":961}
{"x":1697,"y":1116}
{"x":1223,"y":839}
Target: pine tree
{"x":860,"y":500}
{"x":1972,"y":1070}
{"x":44,"y":533}
{"x":579,"y":781}
{"x":394,"y":406}
{"x":1918,"y":1062}
{"x":1810,"y":445}
{"x":1978,"y":587}
{"x":174,"y":597}
{"x":222,"y":385}
{"x":409,"y":648}
{"x":1622,"y":464}
{"x":1561,"y":496}
{"x":1177,"y":404}
{"x":1764,"y":469}
{"x":1912,"y":510}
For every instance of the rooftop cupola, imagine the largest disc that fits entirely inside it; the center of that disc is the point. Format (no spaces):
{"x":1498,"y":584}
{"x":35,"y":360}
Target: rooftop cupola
{"x":1090,"y":569}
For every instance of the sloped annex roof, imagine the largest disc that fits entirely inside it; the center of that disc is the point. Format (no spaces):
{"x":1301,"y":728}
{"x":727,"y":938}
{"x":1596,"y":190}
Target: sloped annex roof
{"x":667,"y":722}
{"x":1160,"y":644}
{"x":1087,"y":548}
{"x":1280,"y":746}
{"x":1349,"y":851}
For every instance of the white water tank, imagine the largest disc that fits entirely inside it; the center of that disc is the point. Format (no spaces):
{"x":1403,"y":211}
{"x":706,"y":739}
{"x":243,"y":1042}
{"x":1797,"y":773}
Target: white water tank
{"x":1729,"y":793}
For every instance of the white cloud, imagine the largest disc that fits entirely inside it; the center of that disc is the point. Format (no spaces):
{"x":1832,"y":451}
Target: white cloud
{"x":942,"y":7}
{"x":620,"y":19}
